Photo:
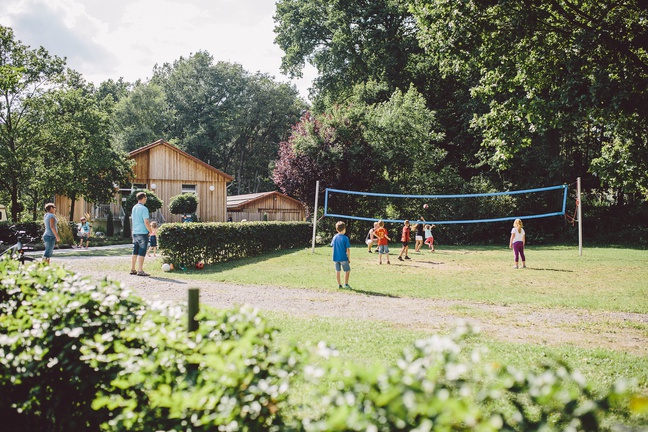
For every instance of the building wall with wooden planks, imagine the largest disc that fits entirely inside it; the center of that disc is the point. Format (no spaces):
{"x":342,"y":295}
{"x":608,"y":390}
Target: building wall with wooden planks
{"x":173,"y":172}
{"x":271,"y":206}
{"x":167,"y":171}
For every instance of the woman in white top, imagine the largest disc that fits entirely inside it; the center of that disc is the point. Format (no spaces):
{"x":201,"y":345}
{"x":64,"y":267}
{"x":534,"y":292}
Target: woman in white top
{"x":517,"y":242}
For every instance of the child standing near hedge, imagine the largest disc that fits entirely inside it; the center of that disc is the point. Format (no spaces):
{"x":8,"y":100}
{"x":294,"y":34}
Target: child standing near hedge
{"x":341,"y":254}
{"x":153,"y":239}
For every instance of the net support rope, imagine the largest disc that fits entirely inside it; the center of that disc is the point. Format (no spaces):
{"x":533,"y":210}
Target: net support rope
{"x":447,"y":222}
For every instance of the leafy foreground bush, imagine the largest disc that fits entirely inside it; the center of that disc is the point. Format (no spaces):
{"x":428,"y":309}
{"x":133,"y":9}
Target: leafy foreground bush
{"x":81,"y":357}
{"x":74,"y":356}
{"x":435,"y":386}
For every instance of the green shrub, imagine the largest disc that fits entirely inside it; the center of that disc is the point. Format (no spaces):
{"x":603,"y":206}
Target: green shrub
{"x":224,"y":241}
{"x":229,"y":372}
{"x":110,"y":225}
{"x":77,"y":356}
{"x":185,"y":203}
{"x":437,"y":387}
{"x":47,"y":315}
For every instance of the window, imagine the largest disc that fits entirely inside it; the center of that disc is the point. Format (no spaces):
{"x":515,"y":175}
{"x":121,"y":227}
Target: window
{"x":187,"y":188}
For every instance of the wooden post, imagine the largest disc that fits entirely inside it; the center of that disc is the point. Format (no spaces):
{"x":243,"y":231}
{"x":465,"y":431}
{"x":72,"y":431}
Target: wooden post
{"x":580,"y":216}
{"x":192,"y":309}
{"x":315,"y":215}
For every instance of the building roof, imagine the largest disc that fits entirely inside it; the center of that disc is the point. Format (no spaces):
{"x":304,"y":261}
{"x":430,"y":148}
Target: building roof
{"x":161,"y":142}
{"x":235,"y":202}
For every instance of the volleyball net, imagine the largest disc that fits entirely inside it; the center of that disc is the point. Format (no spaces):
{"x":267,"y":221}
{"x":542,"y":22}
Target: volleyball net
{"x":447,"y":209}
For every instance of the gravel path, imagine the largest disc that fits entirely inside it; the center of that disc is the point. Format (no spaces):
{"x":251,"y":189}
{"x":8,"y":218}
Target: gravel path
{"x":625,"y":332}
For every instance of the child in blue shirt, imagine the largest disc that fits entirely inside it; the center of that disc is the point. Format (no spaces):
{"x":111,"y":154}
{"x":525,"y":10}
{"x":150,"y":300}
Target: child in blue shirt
{"x":341,"y":254}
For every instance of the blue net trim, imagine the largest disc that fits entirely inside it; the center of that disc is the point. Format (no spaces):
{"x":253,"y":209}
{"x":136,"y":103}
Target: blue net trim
{"x":447,"y":222}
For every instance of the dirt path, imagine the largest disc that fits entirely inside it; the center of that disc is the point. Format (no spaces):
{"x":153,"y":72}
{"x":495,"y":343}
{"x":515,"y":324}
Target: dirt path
{"x":625,"y":332}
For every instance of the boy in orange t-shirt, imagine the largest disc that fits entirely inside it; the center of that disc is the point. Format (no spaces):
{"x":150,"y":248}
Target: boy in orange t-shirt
{"x":383,"y":239}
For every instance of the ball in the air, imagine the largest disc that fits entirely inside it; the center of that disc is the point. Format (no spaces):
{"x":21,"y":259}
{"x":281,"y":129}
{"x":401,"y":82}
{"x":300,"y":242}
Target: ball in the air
{"x":200,"y":265}
{"x":166,"y":267}
{"x":425,"y":206}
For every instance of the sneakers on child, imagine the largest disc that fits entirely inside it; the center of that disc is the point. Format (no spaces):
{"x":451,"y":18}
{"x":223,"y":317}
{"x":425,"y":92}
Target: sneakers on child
{"x":340,"y":286}
{"x":400,"y":258}
{"x":515,"y":267}
{"x":406,"y":257}
{"x":347,"y":286}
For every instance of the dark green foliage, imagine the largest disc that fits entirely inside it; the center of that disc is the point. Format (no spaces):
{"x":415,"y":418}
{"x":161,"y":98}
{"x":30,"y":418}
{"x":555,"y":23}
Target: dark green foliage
{"x":435,"y":386}
{"x":48,"y":314}
{"x":81,"y":357}
{"x":186,"y":203}
{"x":110,"y":225}
{"x":126,"y":227}
{"x":223,"y":241}
{"x":153,"y":202}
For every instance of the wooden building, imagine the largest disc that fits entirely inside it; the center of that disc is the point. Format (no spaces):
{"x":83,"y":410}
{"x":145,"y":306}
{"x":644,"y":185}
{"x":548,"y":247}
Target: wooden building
{"x":271,"y":206}
{"x":167,"y":171}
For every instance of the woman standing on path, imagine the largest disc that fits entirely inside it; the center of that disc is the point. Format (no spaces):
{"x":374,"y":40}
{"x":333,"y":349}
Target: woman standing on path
{"x":51,"y":235}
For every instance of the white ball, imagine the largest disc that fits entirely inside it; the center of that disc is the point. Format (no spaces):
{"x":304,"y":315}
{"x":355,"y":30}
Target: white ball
{"x":425,"y":206}
{"x":166,"y":267}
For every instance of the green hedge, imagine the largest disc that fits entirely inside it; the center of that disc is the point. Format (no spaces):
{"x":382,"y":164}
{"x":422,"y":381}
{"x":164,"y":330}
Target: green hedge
{"x":79,"y":356}
{"x":223,"y":241}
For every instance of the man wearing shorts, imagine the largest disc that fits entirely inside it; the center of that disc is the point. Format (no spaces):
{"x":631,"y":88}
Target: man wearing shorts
{"x":141,"y":230}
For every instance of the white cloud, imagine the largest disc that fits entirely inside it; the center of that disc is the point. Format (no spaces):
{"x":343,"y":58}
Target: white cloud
{"x":126,"y":39}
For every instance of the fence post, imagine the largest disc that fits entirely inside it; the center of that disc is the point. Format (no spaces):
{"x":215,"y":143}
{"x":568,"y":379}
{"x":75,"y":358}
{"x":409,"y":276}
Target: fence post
{"x":192,"y":309}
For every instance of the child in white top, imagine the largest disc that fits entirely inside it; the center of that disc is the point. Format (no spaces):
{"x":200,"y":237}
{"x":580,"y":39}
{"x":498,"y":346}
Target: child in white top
{"x":429,"y":238}
{"x":517,"y":242}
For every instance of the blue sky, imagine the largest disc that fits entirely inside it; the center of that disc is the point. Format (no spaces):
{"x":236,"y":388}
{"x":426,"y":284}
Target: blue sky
{"x":126,"y":38}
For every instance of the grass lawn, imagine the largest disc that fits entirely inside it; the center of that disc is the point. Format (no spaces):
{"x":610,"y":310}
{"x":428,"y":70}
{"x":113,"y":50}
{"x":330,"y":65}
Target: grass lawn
{"x":557,"y":279}
{"x":607,"y":279}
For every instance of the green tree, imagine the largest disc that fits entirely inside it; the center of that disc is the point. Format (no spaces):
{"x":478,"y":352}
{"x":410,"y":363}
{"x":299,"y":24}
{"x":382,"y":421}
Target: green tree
{"x":566,"y":78}
{"x":349,"y":43}
{"x":77,"y":159}
{"x":153,"y":202}
{"x":227,"y":117}
{"x":25,"y":75}
{"x":383,"y":147}
{"x":141,"y":117}
{"x":186,"y":203}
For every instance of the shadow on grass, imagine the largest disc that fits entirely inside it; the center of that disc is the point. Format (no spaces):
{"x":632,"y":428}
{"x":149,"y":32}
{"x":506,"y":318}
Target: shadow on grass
{"x":164,"y":279}
{"x":371,"y":293}
{"x":548,"y":269}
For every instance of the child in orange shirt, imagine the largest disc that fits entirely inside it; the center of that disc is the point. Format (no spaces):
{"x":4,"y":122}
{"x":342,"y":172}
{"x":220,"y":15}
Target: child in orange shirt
{"x":383,"y":239}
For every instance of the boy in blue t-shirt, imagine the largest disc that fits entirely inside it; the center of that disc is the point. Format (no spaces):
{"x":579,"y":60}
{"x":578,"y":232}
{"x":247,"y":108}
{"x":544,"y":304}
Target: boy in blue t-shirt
{"x":341,"y":254}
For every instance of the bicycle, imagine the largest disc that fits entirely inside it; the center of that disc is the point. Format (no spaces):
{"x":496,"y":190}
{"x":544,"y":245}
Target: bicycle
{"x":17,"y":251}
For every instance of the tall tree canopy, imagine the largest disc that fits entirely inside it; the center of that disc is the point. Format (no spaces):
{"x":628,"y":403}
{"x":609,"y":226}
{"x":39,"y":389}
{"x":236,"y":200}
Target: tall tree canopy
{"x":77,"y":158}
{"x":568,"y":77}
{"x":228,"y":117}
{"x":25,"y":74}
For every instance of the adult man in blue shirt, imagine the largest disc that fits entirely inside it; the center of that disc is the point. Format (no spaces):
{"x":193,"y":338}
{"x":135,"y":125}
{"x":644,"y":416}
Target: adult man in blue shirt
{"x":141,"y":230}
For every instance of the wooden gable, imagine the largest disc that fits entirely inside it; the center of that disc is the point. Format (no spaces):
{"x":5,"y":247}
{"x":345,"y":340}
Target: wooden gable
{"x":167,"y":170}
{"x":265,"y":206}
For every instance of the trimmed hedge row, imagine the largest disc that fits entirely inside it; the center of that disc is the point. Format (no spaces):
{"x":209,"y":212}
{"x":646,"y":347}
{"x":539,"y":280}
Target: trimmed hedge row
{"x":224,"y":241}
{"x":79,"y":356}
